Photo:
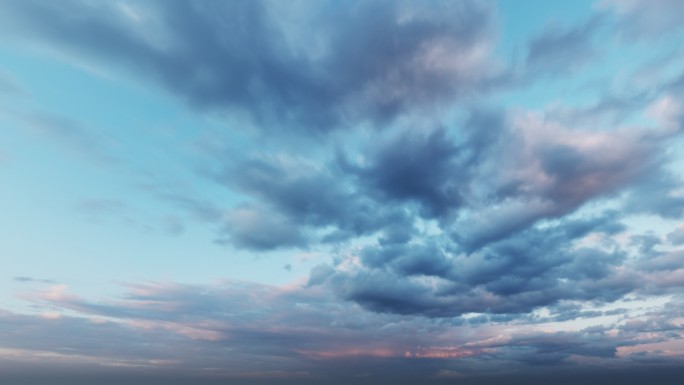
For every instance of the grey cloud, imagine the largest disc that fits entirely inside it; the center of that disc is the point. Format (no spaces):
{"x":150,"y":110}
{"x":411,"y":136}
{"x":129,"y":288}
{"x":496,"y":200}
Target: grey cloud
{"x":676,"y":237}
{"x":237,"y":328}
{"x":234,"y":328}
{"x":403,"y":174}
{"x":484,"y":181}
{"x":312,"y":68}
{"x":107,"y":340}
{"x":31,"y":279}
{"x":480,"y":215}
{"x":656,"y":195}
{"x":420,"y":168}
{"x":507,"y":194}
{"x":538,"y":267}
{"x":258,"y":229}
{"x":304,"y":197}
{"x":549,"y":172}
{"x":559,"y":50}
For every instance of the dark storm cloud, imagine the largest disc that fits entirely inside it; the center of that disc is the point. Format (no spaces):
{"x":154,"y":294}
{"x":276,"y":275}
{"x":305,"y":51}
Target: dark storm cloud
{"x":309,"y":67}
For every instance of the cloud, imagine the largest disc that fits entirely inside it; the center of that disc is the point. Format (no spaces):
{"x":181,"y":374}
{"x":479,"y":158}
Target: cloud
{"x":503,"y":172}
{"x":239,"y":330}
{"x":419,"y":168}
{"x":676,"y":237}
{"x":646,"y":20}
{"x":258,"y":229}
{"x":542,"y":169}
{"x":484,"y":180}
{"x":536,"y":268}
{"x":70,"y":134}
{"x":446,"y":220}
{"x":299,"y":199}
{"x":31,"y":280}
{"x":562,"y":50}
{"x":313,"y":68}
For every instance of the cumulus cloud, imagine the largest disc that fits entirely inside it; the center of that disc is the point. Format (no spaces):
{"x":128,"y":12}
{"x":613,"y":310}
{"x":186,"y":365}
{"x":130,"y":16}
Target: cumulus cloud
{"x":305,"y":200}
{"x":493,"y":176}
{"x":416,"y":167}
{"x":536,"y":268}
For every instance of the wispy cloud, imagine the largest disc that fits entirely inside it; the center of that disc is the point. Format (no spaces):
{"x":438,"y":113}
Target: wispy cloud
{"x":299,"y":330}
{"x":31,"y":280}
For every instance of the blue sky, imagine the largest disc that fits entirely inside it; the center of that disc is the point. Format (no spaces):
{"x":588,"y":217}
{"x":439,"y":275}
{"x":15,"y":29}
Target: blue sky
{"x":325,"y":192}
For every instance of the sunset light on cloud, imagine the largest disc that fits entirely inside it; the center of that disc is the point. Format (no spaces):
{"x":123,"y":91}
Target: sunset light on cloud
{"x":341,"y":192}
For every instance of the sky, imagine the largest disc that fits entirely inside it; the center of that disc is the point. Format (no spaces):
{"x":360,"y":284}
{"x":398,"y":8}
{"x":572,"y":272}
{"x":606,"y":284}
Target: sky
{"x":336,"y":192}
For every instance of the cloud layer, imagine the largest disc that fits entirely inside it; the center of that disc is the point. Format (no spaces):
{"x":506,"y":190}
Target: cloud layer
{"x":471,"y":210}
